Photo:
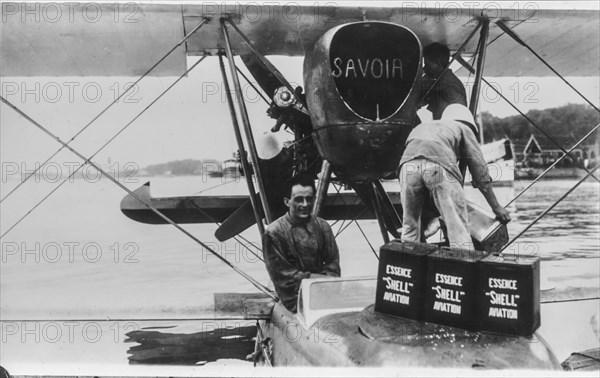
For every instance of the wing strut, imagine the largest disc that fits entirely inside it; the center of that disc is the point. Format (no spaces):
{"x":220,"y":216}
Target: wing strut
{"x":379,"y":213}
{"x":248,"y":132}
{"x":454,"y":57}
{"x":483,"y":36}
{"x":322,"y":187}
{"x":242,"y":151}
{"x":393,"y":219}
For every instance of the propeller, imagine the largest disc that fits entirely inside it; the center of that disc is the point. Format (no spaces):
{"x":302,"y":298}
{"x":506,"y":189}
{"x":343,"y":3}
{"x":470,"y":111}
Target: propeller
{"x":275,"y":171}
{"x":289,"y":109}
{"x":286,"y":107}
{"x":267,"y":81}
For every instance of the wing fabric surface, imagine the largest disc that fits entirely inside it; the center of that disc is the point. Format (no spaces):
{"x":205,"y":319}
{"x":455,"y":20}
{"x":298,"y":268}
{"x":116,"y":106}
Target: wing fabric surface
{"x":124,"y":39}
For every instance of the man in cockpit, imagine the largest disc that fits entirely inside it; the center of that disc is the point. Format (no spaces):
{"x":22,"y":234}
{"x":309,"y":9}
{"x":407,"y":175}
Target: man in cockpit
{"x":299,"y":245}
{"x":448,"y":89}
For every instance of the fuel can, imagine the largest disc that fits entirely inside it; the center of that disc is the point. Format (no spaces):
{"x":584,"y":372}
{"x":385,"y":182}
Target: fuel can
{"x":401,"y":278}
{"x":450,"y":291}
{"x":509,"y":294}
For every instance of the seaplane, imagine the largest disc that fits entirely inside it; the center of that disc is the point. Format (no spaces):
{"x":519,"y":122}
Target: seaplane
{"x":362,"y":73}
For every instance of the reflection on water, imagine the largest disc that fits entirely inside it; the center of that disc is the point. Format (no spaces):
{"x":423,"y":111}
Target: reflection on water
{"x":166,"y":276}
{"x":570,"y":230}
{"x":169,"y":348}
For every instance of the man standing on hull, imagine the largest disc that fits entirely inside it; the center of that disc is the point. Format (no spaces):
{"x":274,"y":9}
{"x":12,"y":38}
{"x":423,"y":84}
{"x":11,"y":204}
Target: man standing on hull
{"x":435,"y":153}
{"x":448,"y":89}
{"x":299,"y":245}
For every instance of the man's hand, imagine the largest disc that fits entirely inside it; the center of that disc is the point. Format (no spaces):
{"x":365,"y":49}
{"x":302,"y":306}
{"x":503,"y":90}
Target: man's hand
{"x":502,"y":215}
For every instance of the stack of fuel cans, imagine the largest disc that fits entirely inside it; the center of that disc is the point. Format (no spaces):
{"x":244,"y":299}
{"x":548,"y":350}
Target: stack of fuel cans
{"x":461,"y":288}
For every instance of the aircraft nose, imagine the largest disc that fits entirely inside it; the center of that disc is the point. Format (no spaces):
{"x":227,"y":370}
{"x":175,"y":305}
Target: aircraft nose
{"x":362,"y":103}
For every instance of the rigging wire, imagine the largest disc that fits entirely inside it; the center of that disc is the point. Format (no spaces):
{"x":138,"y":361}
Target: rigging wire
{"x":252,"y":85}
{"x":553,"y":165}
{"x":350,"y":223}
{"x":97,"y":151}
{"x":365,"y":237}
{"x":198,"y":208}
{"x":518,"y":39}
{"x":549,"y":209}
{"x":343,"y":227}
{"x":254,"y":282}
{"x":470,"y":68}
{"x":534,"y":124}
{"x":127,"y":89}
{"x":340,"y":230}
{"x":257,"y":284}
{"x":215,"y":186}
{"x":344,"y":202}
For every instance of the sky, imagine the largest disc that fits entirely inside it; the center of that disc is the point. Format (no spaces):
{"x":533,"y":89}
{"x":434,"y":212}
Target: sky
{"x":192,"y":121}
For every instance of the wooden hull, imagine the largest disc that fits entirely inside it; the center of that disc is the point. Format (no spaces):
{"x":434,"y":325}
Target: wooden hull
{"x":367,"y":338}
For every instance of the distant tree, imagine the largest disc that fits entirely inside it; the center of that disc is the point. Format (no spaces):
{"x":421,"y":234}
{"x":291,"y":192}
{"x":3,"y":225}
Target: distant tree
{"x":185,"y":167}
{"x":574,"y":120}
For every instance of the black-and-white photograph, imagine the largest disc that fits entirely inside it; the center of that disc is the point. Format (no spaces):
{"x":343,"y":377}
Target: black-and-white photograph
{"x":300,"y":188}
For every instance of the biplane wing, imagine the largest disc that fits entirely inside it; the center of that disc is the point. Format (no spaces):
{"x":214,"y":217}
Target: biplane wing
{"x":124,"y":39}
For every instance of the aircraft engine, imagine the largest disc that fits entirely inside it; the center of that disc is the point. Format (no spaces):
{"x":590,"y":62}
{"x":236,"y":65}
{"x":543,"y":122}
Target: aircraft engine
{"x":362,"y":81}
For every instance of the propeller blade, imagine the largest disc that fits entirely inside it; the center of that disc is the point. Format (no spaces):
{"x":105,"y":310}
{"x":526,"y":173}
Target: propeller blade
{"x":276,"y":170}
{"x":270,"y":79}
{"x":237,"y":222}
{"x":263,"y":76}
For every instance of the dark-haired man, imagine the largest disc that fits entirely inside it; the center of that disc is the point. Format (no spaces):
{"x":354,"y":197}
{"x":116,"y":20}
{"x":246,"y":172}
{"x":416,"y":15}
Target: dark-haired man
{"x":448,"y":89}
{"x":299,"y":245}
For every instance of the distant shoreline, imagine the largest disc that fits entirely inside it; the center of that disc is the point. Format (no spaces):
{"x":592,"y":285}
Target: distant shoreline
{"x":553,"y":174}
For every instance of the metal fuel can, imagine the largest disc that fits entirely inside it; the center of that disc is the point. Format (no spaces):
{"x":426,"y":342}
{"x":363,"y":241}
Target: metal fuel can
{"x":450,"y":291}
{"x":509,"y":294}
{"x":401,"y":278}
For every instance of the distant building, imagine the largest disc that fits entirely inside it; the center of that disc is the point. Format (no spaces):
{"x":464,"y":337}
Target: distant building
{"x":541,"y":152}
{"x":231,"y":168}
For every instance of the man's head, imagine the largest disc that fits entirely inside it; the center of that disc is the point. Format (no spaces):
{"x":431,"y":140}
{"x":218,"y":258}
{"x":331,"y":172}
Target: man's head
{"x":437,"y":57}
{"x":301,"y":197}
{"x":458,"y":112}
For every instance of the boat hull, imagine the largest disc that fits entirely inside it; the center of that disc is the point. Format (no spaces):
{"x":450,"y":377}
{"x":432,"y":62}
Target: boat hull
{"x":367,"y":338}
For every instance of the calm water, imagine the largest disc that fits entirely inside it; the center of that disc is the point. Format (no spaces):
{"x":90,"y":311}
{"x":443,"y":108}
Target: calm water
{"x":77,"y":257}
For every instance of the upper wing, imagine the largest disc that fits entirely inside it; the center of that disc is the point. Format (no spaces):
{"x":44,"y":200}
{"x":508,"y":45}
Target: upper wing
{"x":569,"y":40}
{"x":90,"y":39}
{"x":125,"y":39}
